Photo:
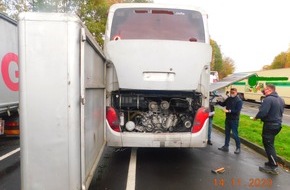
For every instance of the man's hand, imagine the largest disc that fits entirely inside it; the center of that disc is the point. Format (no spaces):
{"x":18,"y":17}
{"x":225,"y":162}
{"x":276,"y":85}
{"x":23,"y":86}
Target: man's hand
{"x":253,"y":118}
{"x":227,"y":111}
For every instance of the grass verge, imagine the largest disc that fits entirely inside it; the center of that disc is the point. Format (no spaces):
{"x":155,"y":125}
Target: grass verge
{"x":252,"y":130}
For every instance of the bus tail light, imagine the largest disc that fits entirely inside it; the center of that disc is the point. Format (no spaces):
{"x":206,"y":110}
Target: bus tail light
{"x":113,"y":119}
{"x":11,"y":124}
{"x":12,"y":128}
{"x":200,"y":117}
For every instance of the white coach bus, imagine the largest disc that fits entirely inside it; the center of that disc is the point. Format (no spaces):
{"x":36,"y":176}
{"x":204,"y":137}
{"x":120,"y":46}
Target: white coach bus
{"x":158,"y":79}
{"x":158,"y":76}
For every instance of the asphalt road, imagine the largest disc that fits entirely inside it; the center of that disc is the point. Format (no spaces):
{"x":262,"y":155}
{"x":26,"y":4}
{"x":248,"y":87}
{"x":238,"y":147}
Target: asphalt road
{"x":187,"y":168}
{"x":10,"y":166}
{"x":165,"y":168}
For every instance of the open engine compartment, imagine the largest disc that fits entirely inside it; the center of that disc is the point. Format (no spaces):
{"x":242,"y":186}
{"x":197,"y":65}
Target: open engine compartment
{"x":156,"y":111}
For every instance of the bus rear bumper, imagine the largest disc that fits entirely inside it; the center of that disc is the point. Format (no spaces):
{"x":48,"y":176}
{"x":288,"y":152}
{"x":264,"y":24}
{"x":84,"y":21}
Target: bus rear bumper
{"x":136,"y":139}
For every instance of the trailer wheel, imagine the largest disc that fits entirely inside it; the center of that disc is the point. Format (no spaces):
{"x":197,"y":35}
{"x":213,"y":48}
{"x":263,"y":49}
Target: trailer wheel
{"x":241,"y":95}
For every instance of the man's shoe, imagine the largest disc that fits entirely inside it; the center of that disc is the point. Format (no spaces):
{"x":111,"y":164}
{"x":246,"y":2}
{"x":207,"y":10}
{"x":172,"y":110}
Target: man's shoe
{"x":270,"y":165}
{"x":237,"y":151}
{"x":209,"y":142}
{"x":224,"y":148}
{"x":269,"y":170}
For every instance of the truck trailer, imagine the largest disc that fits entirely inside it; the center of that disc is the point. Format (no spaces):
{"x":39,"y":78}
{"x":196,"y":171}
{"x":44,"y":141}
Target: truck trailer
{"x":9,"y":79}
{"x":251,"y":89}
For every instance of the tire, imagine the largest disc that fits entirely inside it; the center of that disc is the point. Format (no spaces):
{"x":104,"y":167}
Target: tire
{"x":241,"y":95}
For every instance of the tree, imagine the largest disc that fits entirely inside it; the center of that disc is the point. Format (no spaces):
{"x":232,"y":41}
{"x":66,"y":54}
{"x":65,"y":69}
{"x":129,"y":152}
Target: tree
{"x":224,"y":66}
{"x":3,"y":7}
{"x":94,"y":14}
{"x":287,"y":64}
{"x":60,"y":6}
{"x":138,"y":1}
{"x":228,"y":67}
{"x":111,"y":2}
{"x":217,"y":61}
{"x":279,"y":61}
{"x":266,"y":67}
{"x":13,"y":7}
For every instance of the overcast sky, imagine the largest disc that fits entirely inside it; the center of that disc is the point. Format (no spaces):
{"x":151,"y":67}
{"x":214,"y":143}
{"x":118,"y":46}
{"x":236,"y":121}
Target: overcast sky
{"x":251,"y":32}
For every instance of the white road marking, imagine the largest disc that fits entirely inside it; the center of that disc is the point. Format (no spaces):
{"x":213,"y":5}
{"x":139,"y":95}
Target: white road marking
{"x":132,"y":170}
{"x":9,"y":154}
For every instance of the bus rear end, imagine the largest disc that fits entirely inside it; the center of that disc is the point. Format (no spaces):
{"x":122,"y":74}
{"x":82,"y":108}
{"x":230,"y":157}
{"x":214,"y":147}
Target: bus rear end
{"x":157,"y":76}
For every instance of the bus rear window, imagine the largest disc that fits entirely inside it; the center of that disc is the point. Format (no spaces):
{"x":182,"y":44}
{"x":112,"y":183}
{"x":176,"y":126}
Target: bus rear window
{"x":159,"y":24}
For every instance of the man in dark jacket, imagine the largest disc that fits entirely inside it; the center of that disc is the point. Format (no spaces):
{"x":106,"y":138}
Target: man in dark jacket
{"x":233,"y":106}
{"x":271,"y":113}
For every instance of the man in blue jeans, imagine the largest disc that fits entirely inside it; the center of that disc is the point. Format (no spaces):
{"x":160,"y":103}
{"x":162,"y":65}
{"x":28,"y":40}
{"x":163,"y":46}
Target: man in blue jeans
{"x":233,"y":106}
